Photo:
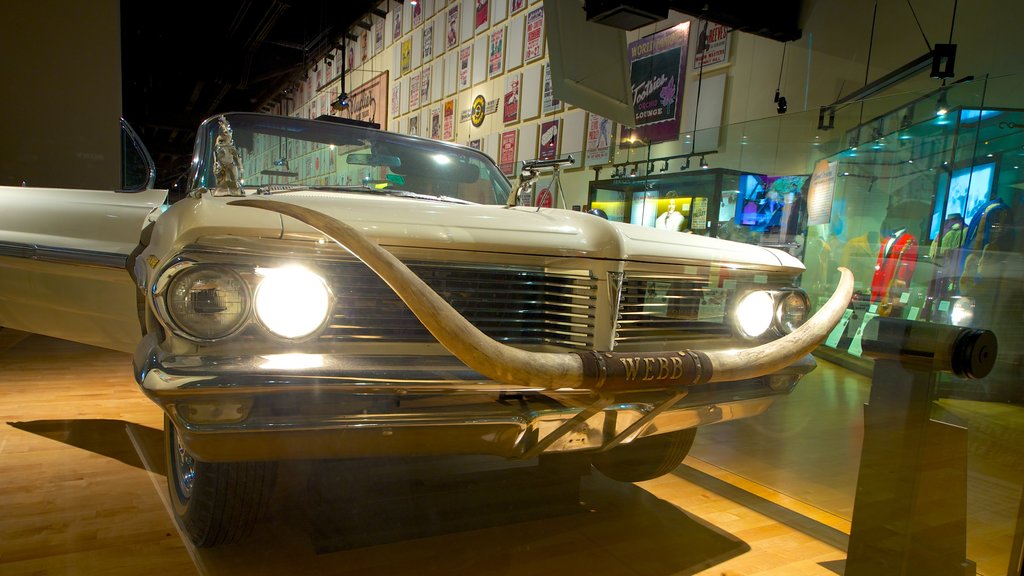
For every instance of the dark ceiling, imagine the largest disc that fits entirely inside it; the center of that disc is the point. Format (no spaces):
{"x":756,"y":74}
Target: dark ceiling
{"x":186,"y":60}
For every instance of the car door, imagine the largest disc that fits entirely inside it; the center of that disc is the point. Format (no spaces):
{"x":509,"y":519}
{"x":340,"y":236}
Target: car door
{"x":64,"y":253}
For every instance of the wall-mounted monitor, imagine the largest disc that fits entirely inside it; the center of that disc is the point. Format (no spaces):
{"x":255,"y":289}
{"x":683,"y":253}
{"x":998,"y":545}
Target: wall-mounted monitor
{"x":762,"y":199}
{"x":968,"y":190}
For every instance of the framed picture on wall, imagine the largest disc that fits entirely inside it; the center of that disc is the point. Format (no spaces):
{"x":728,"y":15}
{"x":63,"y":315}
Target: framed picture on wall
{"x":507,"y":151}
{"x":513,"y":86}
{"x":549,"y":137}
{"x":534,"y":34}
{"x":452,"y":27}
{"x":465,"y":61}
{"x":496,"y":52}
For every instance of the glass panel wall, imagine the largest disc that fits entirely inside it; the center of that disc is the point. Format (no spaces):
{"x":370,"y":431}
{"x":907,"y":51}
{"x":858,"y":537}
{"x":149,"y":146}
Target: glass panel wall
{"x":926,"y":210}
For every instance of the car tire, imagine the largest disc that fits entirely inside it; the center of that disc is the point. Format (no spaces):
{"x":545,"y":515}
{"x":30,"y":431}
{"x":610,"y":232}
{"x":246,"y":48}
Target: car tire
{"x":215,"y":502}
{"x":645,"y":458}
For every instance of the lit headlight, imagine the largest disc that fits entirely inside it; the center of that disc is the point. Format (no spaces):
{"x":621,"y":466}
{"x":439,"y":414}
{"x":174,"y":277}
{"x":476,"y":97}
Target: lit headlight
{"x":793,"y":311}
{"x":292,"y":302}
{"x":754,"y":313}
{"x":207,"y":302}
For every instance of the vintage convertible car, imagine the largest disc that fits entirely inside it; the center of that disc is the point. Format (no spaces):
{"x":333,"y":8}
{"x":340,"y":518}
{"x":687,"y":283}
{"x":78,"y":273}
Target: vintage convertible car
{"x":334,"y":291}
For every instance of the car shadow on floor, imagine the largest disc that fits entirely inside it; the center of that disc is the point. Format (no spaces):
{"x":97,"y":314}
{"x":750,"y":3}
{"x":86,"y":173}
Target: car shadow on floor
{"x":438,"y":515}
{"x":110,"y":438}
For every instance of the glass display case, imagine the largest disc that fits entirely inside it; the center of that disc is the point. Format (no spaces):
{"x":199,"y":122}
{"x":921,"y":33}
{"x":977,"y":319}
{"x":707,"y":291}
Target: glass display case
{"x":721,"y":203}
{"x":925,"y":218}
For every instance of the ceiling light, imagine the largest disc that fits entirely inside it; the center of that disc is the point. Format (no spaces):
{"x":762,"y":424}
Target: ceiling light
{"x":341,"y":103}
{"x":703,"y":163}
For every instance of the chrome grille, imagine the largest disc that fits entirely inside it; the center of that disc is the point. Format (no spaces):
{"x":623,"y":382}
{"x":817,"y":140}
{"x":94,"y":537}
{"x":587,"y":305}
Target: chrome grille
{"x":659,"y":308}
{"x":517,"y":306}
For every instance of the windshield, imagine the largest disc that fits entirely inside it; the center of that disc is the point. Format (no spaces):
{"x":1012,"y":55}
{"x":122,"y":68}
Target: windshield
{"x":250,"y":152}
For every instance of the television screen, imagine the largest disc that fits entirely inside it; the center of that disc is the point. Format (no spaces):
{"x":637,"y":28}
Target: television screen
{"x":762,"y":200}
{"x":969,"y":189}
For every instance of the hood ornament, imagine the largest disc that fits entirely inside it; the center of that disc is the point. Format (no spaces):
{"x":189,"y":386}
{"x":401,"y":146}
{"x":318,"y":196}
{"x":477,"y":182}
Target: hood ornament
{"x":227,"y":162}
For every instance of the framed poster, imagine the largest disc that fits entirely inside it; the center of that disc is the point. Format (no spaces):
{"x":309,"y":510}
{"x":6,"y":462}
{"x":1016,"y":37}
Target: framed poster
{"x":599,"y":140}
{"x":549,"y":132}
{"x":507,"y":151}
{"x":657,"y":66}
{"x":496,"y":52}
{"x":396,"y":98}
{"x":515,"y":6}
{"x":417,"y":14}
{"x":378,"y":37}
{"x":513,"y":86}
{"x":482,"y":17}
{"x":465,"y":62}
{"x":396,"y":24}
{"x":452,"y":27}
{"x":414,"y":91}
{"x":476,"y":144}
{"x":364,"y":46}
{"x":448,"y":120}
{"x":426,"y":76}
{"x":414,"y":125}
{"x":435,"y":123}
{"x":428,"y":41}
{"x":712,"y":44}
{"x":406,"y":55}
{"x":534,"y":34}
{"x":549,"y":104}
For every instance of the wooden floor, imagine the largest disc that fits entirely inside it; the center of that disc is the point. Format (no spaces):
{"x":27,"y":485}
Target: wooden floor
{"x":82,"y":491}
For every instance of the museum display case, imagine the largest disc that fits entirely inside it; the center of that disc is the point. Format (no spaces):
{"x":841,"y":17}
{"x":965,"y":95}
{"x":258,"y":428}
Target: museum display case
{"x":744,"y":207}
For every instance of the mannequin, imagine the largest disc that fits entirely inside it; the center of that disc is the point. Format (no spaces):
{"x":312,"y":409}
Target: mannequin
{"x":897,"y":257}
{"x":945,"y":253}
{"x":988,"y":238}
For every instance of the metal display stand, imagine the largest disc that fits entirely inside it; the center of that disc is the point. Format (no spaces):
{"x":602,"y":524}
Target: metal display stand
{"x":910,"y":510}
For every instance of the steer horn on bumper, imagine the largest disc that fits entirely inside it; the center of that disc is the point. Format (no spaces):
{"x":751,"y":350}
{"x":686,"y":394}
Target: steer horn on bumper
{"x":599,"y":371}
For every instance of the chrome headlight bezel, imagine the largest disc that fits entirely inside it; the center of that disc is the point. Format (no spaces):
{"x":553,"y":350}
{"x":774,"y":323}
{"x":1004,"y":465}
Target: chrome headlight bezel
{"x":165,"y":287}
{"x":775,"y":319}
{"x":784,"y":322}
{"x":249,"y":277}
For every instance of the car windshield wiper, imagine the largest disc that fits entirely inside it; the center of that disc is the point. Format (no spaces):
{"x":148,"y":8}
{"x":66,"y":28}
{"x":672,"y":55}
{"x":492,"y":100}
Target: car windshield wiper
{"x":278,"y":188}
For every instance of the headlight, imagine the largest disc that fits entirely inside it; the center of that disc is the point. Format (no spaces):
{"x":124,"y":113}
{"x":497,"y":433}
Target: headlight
{"x":792,"y":311}
{"x":292,"y":302}
{"x":754,"y":313}
{"x":207,"y":302}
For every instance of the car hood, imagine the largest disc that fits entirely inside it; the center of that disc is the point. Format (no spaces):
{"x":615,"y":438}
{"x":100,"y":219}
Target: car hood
{"x":397,"y":222}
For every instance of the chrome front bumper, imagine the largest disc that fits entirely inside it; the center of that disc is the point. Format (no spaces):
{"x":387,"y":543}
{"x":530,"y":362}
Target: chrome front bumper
{"x":329,"y":406}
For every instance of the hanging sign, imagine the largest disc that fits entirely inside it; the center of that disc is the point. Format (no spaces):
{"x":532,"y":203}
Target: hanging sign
{"x":657,"y":66}
{"x":820,"y":192}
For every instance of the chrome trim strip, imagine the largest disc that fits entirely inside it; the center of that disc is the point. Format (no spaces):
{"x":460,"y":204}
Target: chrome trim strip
{"x":64,"y":255}
{"x":483,"y":429}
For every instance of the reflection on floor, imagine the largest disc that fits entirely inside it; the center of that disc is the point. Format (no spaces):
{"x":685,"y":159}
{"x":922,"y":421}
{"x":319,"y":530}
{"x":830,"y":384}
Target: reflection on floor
{"x":82,"y":491}
{"x":806,"y":447}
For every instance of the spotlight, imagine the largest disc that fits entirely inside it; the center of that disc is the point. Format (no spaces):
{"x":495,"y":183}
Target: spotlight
{"x":341,"y":103}
{"x":329,"y":57}
{"x":650,"y":167}
{"x":686,"y":164}
{"x":664,"y":167}
{"x":781,"y":104}
{"x":703,"y":163}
